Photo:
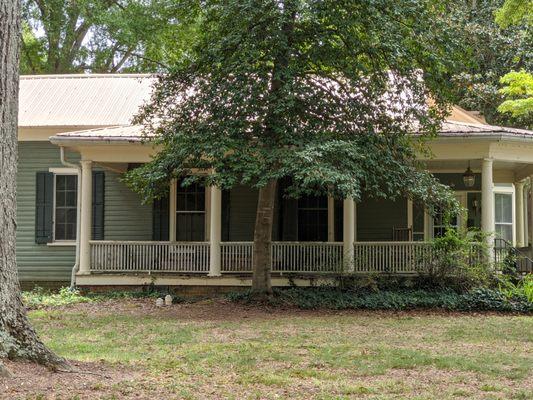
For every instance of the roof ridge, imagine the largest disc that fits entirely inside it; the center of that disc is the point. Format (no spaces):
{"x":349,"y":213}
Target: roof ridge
{"x":86,"y":76}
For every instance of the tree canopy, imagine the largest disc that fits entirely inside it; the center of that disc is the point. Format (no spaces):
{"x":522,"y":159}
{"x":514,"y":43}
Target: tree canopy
{"x":515,"y":12}
{"x":518,"y":88}
{"x":491,"y":52}
{"x":61,"y":36}
{"x":324,"y":92}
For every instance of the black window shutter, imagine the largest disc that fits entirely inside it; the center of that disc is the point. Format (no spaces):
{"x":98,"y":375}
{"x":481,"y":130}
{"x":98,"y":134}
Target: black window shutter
{"x":160,"y":217}
{"x":98,"y":205}
{"x":226,"y":212}
{"x":288,"y":213}
{"x":44,"y":207}
{"x":338,"y":220}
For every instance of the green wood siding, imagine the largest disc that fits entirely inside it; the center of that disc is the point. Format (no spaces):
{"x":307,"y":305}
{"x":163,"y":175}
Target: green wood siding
{"x":38,"y":262}
{"x":125,"y":217}
{"x":377,"y":217}
{"x":243,"y":204}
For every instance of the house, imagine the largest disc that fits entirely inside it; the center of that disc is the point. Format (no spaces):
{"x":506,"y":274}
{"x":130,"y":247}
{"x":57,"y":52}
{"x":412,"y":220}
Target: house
{"x":75,"y":142}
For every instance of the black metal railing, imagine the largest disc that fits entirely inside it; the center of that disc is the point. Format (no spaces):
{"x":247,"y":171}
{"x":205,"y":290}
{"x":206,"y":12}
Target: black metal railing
{"x":508,"y":256}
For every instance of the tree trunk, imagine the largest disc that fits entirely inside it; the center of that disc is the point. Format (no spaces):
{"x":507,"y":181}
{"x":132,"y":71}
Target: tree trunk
{"x":17,"y":337}
{"x":261,"y":284}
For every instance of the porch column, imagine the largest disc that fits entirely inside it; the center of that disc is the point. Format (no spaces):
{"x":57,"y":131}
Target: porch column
{"x":530,"y":209}
{"x":348,"y":233}
{"x":487,"y":203}
{"x":215,"y":230}
{"x":519,"y":198}
{"x":86,"y":216}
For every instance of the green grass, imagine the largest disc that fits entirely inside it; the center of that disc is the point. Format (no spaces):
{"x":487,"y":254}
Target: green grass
{"x":305,"y":355}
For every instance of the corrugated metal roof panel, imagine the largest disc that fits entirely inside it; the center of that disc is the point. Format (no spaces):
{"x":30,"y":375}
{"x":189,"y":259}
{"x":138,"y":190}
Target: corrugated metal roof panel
{"x":82,"y":100}
{"x":134,"y":133}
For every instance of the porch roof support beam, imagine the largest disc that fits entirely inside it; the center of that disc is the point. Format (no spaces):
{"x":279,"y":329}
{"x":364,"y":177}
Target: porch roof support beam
{"x":86,"y":216}
{"x":487,"y":202}
{"x":519,"y":198}
{"x":348,"y":233}
{"x":215,"y":231}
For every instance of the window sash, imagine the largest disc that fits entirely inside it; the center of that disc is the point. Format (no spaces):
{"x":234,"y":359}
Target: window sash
{"x":67,"y":229}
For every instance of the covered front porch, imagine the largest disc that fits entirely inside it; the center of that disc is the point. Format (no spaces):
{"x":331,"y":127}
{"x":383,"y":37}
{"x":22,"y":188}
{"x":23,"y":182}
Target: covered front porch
{"x":205,"y":232}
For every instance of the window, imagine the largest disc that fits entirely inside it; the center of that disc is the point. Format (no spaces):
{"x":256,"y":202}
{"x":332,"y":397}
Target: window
{"x":503,"y":213}
{"x":419,"y":214}
{"x":313,"y":219}
{"x":65,"y":207}
{"x":439,"y":223}
{"x":190,"y":213}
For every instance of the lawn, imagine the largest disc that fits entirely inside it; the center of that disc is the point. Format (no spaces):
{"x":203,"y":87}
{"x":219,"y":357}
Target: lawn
{"x":216,"y":349}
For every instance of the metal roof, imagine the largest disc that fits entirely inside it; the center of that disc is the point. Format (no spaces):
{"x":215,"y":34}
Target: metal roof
{"x":82,"y":100}
{"x":134,"y":133}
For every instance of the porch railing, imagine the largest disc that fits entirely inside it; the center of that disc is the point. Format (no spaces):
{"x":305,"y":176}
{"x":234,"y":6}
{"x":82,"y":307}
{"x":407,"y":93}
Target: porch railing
{"x":307,"y":257}
{"x":133,"y":256}
{"x":236,"y":256}
{"x":287,"y":257}
{"x":392,"y":257}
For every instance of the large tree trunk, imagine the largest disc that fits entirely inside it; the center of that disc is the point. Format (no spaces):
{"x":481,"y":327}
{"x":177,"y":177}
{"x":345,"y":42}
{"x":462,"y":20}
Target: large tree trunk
{"x":17,"y":337}
{"x":261,"y":284}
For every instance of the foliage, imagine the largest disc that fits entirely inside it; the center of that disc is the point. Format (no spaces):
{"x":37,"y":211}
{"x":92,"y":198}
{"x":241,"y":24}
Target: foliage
{"x":61,"y":36}
{"x":516,"y":288}
{"x":459,"y":261}
{"x":39,"y":298}
{"x":325,"y":93}
{"x":492,"y":52}
{"x":481,"y":299}
{"x":518,"y":90}
{"x":515,"y":12}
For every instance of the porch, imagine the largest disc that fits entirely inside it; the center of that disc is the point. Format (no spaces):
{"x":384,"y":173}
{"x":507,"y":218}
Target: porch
{"x":237,"y":257}
{"x":199,"y":232}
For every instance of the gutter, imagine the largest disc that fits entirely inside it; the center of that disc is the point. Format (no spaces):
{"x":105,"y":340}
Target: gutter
{"x":76,"y":266}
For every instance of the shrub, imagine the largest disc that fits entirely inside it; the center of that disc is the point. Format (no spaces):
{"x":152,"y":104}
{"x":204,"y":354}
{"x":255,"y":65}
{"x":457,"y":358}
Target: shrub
{"x":459,"y":261}
{"x":331,"y":298}
{"x":39,"y":298}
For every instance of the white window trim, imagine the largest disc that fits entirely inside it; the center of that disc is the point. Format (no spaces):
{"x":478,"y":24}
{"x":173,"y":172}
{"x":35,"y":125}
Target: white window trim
{"x":61,"y":171}
{"x":506,"y":190}
{"x":174,"y":209}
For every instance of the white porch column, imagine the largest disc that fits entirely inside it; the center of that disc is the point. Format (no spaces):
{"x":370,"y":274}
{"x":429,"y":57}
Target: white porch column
{"x":530,"y":209}
{"x":86,"y":216}
{"x":519,"y":197}
{"x":348,"y":233}
{"x":215,"y":230}
{"x":487,"y":203}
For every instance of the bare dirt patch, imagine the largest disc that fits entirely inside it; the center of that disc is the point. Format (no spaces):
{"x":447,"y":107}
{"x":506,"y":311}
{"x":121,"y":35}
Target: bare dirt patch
{"x":94,"y":380}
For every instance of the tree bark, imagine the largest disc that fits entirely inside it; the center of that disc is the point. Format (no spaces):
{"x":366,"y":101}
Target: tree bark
{"x":261,"y":284}
{"x":17,"y":337}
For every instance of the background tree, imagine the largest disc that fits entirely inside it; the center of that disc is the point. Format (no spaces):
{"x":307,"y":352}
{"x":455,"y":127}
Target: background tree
{"x":515,"y":12}
{"x":518,"y":86}
{"x":17,"y":337}
{"x":518,"y":90}
{"x":492,"y":51}
{"x":61,"y":36}
{"x":322,"y":94}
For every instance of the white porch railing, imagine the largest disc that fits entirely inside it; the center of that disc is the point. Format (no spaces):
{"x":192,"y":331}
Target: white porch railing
{"x":307,"y":257}
{"x":236,"y":256}
{"x":287,"y":257}
{"x":133,"y":256}
{"x":391,"y":257}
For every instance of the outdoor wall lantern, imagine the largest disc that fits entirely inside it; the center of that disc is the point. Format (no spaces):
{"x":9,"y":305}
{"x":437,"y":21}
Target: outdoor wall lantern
{"x":469,"y":178}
